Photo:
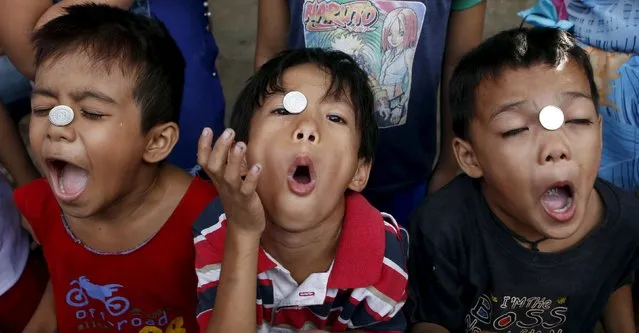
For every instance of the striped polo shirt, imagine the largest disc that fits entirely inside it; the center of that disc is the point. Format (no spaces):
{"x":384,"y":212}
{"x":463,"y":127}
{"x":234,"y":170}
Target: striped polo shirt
{"x":365,"y":287}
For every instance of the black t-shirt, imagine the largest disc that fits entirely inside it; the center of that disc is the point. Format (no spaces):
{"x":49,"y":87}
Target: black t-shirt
{"x":468,"y":273}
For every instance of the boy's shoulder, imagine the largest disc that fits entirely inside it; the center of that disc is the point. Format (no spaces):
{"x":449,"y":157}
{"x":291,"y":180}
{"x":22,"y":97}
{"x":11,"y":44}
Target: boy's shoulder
{"x":451,"y":211}
{"x":35,"y":200}
{"x":621,"y":207}
{"x":186,"y":190}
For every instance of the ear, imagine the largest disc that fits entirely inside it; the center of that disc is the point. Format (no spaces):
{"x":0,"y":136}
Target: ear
{"x":465,"y":155}
{"x":360,"y":179}
{"x":160,"y":142}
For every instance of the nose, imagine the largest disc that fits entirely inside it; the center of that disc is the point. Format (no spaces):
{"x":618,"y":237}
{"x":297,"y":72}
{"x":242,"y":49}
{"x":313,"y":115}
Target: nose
{"x":555,"y":149}
{"x":306,"y":130}
{"x":61,"y":133}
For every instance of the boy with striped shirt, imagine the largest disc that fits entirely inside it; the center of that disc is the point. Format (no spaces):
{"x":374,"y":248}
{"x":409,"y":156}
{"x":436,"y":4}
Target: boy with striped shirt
{"x":292,"y":245}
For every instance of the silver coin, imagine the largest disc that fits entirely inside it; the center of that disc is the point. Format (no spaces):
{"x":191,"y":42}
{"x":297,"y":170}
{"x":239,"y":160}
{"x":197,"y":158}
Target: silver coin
{"x":61,"y":115}
{"x":295,"y":102}
{"x":551,"y":117}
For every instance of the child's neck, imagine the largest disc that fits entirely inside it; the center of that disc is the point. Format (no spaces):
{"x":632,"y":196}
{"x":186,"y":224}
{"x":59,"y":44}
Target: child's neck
{"x":136,"y":216}
{"x":131,"y":204}
{"x":307,"y":252}
{"x":149,"y":186}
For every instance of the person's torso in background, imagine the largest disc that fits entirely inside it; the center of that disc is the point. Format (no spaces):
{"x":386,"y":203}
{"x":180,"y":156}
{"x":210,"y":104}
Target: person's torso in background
{"x":609,"y":31}
{"x":401,"y":45}
{"x":611,"y":25}
{"x":14,"y":240}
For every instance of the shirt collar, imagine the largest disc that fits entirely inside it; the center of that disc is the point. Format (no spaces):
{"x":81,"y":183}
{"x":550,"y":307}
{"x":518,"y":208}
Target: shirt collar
{"x":360,"y":252}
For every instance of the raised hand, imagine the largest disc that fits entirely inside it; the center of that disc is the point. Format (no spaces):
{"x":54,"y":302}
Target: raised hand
{"x":223,"y":164}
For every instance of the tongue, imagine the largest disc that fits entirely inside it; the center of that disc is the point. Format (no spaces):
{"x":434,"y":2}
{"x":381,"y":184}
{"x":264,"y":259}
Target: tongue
{"x":73,"y":179}
{"x":556,"y":198}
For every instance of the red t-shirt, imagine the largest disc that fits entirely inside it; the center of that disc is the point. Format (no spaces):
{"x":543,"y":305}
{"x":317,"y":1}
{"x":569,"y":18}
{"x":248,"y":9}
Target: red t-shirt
{"x":151,"y":289}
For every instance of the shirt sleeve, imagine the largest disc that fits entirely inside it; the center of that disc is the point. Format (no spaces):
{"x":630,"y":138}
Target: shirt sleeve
{"x":464,"y":4}
{"x":208,"y":279}
{"x":208,"y":238}
{"x":435,"y":287}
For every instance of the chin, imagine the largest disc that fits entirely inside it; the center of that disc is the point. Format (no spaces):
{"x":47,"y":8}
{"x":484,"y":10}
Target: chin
{"x":77,"y":209}
{"x":77,"y":213}
{"x":297,"y":220}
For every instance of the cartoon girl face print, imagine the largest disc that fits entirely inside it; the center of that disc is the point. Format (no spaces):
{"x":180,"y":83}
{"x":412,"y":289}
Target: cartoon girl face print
{"x":400,"y":29}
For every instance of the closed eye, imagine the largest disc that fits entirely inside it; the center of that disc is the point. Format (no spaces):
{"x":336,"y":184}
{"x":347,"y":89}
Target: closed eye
{"x":40,"y":112}
{"x":579,"y":121}
{"x":336,"y":119}
{"x":514,"y":132}
{"x":92,"y":115}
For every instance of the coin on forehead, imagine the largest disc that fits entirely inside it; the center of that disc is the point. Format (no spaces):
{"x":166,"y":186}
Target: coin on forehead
{"x":295,"y":102}
{"x":551,"y":117}
{"x":61,"y":115}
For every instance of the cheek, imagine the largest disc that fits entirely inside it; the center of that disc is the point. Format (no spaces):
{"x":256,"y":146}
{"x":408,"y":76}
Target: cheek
{"x":256,"y":152}
{"x":506,"y":162}
{"x":586,"y":145}
{"x":114,"y":146}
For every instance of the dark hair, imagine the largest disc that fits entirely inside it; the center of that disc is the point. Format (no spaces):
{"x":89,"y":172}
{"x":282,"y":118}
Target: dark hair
{"x":510,"y":49}
{"x":142,"y":47}
{"x":347,"y":80}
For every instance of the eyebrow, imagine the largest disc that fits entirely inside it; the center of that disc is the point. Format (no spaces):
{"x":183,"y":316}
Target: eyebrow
{"x":511,"y":106}
{"x":77,"y":96}
{"x":576,"y":94}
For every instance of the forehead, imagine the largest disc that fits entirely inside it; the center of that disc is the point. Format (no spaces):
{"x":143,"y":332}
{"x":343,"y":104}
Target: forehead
{"x":76,"y":71}
{"x":314,"y":82}
{"x":538,"y":84}
{"x":305,"y":76}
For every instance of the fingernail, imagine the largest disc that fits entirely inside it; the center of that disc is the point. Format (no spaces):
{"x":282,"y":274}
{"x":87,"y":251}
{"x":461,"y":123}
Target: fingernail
{"x":227,"y":133}
{"x":239,"y":147}
{"x":256,"y":168}
{"x":206,"y":131}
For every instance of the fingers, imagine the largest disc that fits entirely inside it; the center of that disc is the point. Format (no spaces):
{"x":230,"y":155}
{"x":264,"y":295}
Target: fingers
{"x":249,"y":185}
{"x":223,"y":163}
{"x":213,"y":161}
{"x":233,"y":168}
{"x":204,"y":147}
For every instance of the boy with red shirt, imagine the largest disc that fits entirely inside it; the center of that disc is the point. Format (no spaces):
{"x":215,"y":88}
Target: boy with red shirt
{"x":114,"y":220}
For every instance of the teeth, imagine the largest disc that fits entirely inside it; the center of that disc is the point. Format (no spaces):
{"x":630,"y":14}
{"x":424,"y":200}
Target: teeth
{"x":553,"y":191}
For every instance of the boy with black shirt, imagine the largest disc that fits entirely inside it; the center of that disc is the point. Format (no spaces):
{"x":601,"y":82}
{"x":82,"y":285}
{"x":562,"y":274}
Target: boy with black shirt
{"x":528,"y":240}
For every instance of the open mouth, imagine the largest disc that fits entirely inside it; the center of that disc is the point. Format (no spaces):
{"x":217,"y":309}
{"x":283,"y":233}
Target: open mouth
{"x":67,"y":180}
{"x":301,"y":176}
{"x":559,"y":201}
